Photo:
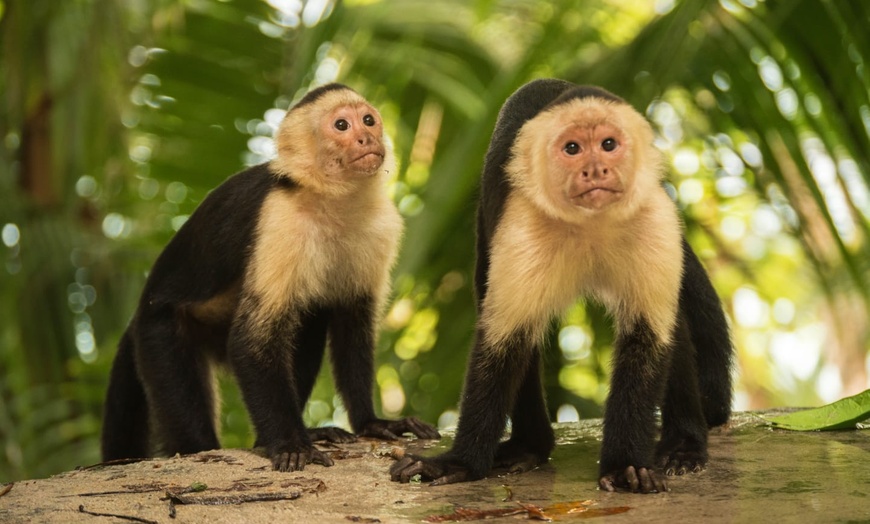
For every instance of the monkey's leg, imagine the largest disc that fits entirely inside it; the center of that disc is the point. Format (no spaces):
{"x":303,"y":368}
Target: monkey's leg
{"x":709,"y":333}
{"x":683,"y":445}
{"x":491,"y":384}
{"x":532,"y":439}
{"x":178,"y":382}
{"x":262,"y":359}
{"x":352,"y":348}
{"x":125,"y":417}
{"x":637,"y":384}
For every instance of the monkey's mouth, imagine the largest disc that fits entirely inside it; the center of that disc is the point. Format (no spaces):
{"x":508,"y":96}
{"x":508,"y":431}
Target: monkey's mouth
{"x":368,"y":162}
{"x":371,"y":156}
{"x":596,"y":197}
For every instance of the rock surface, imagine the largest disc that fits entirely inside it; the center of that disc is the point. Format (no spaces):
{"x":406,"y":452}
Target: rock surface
{"x":755,"y":474}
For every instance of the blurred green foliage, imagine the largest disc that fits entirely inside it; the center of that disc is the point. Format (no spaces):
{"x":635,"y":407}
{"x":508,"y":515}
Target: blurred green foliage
{"x":118,"y":116}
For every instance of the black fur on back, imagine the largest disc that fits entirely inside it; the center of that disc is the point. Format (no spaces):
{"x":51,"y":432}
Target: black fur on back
{"x":212,"y":248}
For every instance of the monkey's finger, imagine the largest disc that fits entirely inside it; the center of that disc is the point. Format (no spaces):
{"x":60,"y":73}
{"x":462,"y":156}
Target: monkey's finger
{"x":523,"y":463}
{"x":646,"y":482}
{"x":661,"y":484}
{"x":385,"y":434}
{"x":281,"y":462}
{"x":452,"y":478}
{"x":606,"y":483}
{"x":651,"y":482}
{"x":421,"y":429}
{"x":399,"y":466}
{"x":402,"y":461}
{"x":331,"y":434}
{"x":631,"y":480}
{"x":414,"y":469}
{"x":318,"y":457}
{"x":298,"y":461}
{"x":380,"y":431}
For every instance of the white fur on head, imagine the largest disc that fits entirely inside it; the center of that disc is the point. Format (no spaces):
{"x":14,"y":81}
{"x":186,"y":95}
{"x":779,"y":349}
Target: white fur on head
{"x":298,"y":142}
{"x":531,"y":163}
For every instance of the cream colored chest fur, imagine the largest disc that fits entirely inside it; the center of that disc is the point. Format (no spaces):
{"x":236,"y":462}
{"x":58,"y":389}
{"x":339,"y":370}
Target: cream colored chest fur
{"x":312,"y":248}
{"x":540,"y":266}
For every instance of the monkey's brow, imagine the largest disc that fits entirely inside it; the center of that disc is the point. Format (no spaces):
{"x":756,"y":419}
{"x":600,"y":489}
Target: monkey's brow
{"x":354,"y":106}
{"x":591,"y":128}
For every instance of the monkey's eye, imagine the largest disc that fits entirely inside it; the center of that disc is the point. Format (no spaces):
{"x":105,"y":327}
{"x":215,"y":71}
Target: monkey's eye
{"x":571,"y":148}
{"x":341,"y":124}
{"x":369,"y":120}
{"x":609,"y":144}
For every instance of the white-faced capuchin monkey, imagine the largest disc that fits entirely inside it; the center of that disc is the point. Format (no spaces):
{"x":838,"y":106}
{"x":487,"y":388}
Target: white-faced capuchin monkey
{"x":275,"y":261}
{"x":572,"y":204}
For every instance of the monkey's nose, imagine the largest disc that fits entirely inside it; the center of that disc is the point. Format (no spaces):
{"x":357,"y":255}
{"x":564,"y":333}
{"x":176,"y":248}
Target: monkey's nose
{"x":595,"y":172}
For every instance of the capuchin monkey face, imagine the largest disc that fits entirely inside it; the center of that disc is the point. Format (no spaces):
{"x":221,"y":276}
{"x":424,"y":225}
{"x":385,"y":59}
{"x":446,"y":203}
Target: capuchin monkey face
{"x":352,"y":141}
{"x":586,"y":165}
{"x":586,"y":157}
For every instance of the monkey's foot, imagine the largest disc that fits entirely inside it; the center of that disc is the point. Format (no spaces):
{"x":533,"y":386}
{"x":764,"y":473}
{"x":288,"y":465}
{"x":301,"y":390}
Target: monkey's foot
{"x":517,"y":458}
{"x":636,"y":480}
{"x":289,"y":457}
{"x":331,"y":434}
{"x":681,"y":456}
{"x":680,"y":462}
{"x":391,"y":429}
{"x":439,"y":470}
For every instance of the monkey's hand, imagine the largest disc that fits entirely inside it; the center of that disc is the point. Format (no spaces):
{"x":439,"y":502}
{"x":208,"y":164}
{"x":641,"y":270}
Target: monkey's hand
{"x":517,"y":458}
{"x":391,"y":429}
{"x":439,"y":470}
{"x":286,"y":456}
{"x":636,"y":480}
{"x":331,"y":434}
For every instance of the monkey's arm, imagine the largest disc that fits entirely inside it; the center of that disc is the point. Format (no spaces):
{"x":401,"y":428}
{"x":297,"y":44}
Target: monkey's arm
{"x":260,"y":358}
{"x":639,"y":374}
{"x":492,"y":382}
{"x":352,"y":349}
{"x":682,"y":447}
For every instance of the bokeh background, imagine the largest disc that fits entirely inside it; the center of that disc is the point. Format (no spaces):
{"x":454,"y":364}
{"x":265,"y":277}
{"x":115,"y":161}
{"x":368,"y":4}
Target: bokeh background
{"x":118,"y":116}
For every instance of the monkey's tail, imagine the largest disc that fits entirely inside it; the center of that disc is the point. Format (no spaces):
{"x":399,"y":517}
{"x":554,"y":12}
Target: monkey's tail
{"x":125,"y":414}
{"x":711,"y":339}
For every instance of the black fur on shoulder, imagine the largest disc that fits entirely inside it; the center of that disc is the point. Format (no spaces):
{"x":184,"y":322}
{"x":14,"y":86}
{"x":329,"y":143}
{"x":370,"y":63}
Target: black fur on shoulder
{"x":226,"y":218}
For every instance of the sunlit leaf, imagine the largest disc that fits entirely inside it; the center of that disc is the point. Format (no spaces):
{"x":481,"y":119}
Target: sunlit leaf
{"x":842,"y":414}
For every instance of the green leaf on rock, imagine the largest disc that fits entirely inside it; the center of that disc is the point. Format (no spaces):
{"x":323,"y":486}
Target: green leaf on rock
{"x":842,"y":414}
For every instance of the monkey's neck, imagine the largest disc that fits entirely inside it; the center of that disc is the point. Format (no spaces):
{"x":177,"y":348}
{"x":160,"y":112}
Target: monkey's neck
{"x":632,"y":266}
{"x":313,"y":180}
{"x":359,"y":203}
